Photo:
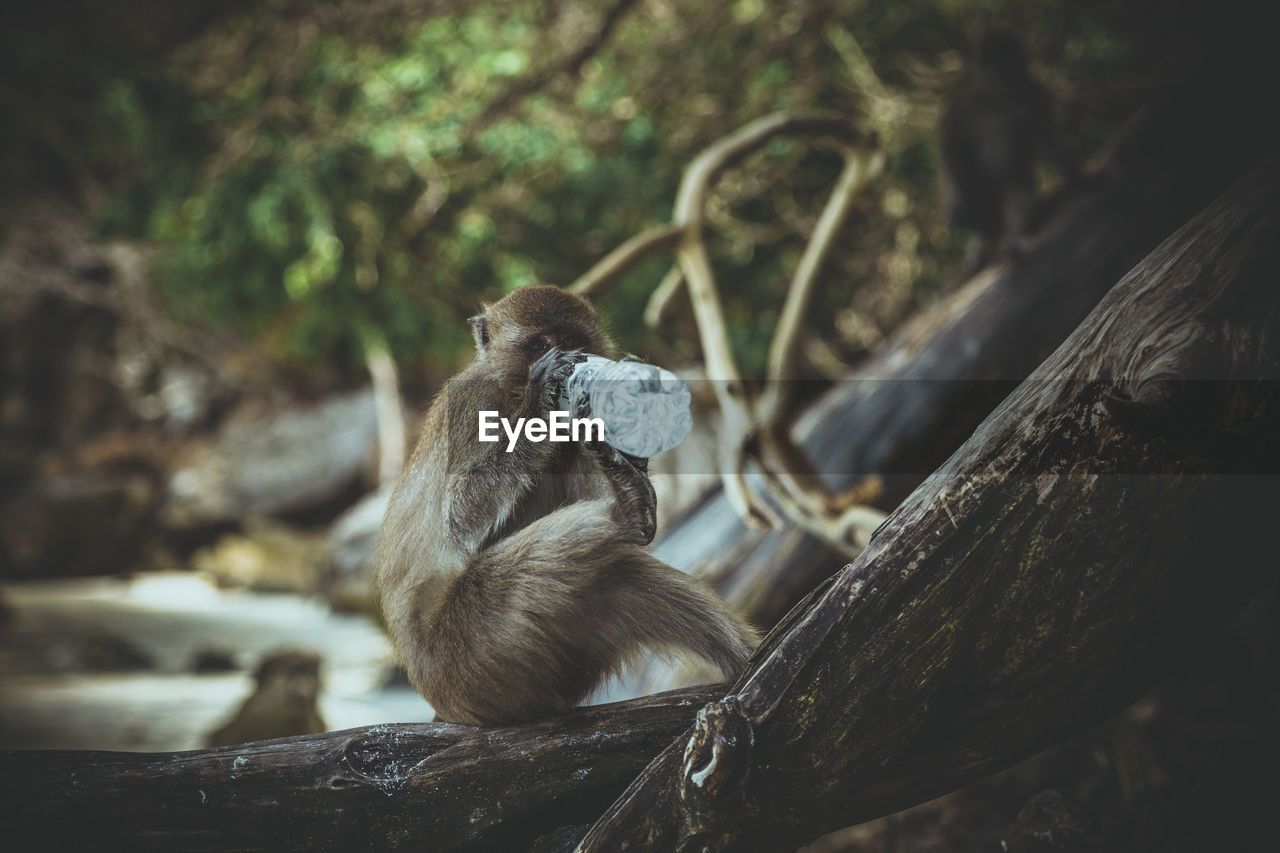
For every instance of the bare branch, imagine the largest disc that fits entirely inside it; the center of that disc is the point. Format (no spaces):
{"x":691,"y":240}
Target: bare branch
{"x":650,"y":241}
{"x":659,"y":305}
{"x":808,"y":501}
{"x":719,"y":156}
{"x":860,"y":167}
{"x":742,"y":419}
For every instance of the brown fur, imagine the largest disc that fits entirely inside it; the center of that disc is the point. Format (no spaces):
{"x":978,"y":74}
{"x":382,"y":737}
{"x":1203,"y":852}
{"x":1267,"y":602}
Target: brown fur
{"x":283,"y":703}
{"x":512,"y":584}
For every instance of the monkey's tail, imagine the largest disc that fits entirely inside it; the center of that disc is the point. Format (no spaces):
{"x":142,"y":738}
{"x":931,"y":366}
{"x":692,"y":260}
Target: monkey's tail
{"x":543,"y":616}
{"x":667,"y":610}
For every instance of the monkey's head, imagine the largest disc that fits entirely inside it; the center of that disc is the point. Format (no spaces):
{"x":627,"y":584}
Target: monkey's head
{"x":291,"y":677}
{"x":515,"y":331}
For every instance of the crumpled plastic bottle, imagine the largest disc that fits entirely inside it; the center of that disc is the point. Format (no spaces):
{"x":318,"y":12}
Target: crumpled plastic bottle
{"x":645,"y":409}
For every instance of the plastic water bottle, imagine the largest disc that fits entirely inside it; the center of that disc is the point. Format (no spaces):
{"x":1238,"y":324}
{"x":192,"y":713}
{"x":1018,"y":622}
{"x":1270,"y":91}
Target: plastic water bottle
{"x":645,"y":409}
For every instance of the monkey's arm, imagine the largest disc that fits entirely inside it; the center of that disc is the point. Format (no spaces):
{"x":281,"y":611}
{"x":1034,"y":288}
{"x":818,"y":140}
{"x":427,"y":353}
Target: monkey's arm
{"x":485,"y":483}
{"x":635,"y":505}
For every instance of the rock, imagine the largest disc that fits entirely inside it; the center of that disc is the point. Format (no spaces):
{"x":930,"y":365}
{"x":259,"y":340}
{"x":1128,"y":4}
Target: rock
{"x":349,"y":586}
{"x":267,"y":557}
{"x":275,"y":463}
{"x":79,"y":523}
{"x":213,"y":660}
{"x":102,"y":652}
{"x":73,"y":649}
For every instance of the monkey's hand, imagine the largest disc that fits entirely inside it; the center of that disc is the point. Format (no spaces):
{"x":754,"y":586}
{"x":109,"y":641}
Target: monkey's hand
{"x":547,"y":376}
{"x":635,"y":505}
{"x":597,"y":447}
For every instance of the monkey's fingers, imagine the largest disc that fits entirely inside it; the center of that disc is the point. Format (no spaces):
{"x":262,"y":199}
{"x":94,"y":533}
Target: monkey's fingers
{"x":547,"y":375}
{"x":608,"y":456}
{"x":581,"y":406}
{"x":555,"y":362}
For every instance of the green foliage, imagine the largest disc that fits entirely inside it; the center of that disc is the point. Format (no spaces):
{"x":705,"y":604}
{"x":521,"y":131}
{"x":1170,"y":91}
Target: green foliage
{"x":315,"y":170}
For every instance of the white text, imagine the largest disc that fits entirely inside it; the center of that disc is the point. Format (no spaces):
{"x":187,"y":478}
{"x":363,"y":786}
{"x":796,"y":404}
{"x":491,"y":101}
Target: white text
{"x":559,"y":427}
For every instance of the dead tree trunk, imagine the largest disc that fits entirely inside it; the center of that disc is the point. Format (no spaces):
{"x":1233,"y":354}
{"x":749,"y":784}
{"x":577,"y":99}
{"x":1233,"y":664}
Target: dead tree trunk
{"x":433,"y":786}
{"x":1088,"y":535}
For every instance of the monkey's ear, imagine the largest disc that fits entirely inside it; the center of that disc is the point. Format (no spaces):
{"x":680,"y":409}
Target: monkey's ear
{"x":480,"y":331}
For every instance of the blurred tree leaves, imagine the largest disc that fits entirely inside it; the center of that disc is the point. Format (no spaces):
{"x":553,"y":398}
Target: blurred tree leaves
{"x":314,"y":170}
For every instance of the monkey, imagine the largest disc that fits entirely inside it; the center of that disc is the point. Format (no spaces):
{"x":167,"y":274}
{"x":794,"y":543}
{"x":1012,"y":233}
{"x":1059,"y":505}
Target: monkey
{"x":514,"y":583}
{"x":996,"y":122}
{"x":283,"y":702}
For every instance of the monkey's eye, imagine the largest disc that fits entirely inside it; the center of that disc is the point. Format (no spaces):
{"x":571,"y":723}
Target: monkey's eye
{"x":537,"y":345}
{"x":571,"y":342}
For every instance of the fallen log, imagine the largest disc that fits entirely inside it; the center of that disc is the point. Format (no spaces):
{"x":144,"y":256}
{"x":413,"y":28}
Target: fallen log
{"x":1088,"y":535}
{"x":432,"y":786}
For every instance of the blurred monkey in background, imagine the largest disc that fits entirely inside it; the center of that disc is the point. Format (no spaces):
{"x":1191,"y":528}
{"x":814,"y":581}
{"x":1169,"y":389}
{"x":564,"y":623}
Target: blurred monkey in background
{"x":997,"y":121}
{"x":283,"y":703}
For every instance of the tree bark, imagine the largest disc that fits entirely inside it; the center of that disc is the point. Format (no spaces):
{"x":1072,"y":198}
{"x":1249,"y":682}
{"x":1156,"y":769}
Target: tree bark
{"x":1092,"y":530}
{"x":434,"y":786}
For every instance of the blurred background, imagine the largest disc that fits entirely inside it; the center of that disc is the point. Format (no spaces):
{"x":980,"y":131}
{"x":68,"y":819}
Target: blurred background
{"x":225,"y":225}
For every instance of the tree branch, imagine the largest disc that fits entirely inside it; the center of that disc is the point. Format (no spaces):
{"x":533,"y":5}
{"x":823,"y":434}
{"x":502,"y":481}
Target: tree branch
{"x":659,"y":238}
{"x":741,"y":420}
{"x":385,"y":787}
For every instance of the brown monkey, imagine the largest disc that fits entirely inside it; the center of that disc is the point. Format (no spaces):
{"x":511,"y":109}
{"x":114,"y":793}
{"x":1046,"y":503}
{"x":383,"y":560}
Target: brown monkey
{"x":283,"y":703}
{"x":997,"y":121}
{"x":512,"y":584}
